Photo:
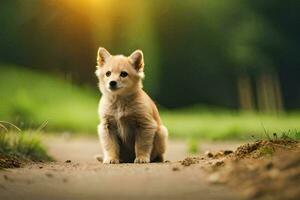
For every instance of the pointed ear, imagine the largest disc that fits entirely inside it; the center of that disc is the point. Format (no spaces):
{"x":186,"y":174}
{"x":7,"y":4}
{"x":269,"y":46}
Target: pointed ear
{"x":102,"y":56}
{"x":137,"y":59}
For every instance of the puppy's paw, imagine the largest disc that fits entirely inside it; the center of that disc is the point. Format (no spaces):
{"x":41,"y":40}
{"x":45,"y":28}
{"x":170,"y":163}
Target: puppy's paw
{"x":142,"y":160}
{"x":111,"y":161}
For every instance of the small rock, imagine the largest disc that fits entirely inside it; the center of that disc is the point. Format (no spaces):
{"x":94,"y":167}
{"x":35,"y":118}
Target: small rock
{"x":68,"y":161}
{"x":218,"y":163}
{"x":219,"y":154}
{"x":2,"y":187}
{"x":209,"y":154}
{"x":49,"y":175}
{"x":269,"y":165}
{"x":175,"y":169}
{"x":227,"y":152}
{"x":5,"y":177}
{"x":99,"y":158}
{"x":189,"y":160}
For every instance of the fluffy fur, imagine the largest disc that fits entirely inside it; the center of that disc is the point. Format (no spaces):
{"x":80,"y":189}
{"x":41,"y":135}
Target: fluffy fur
{"x":130,"y":128}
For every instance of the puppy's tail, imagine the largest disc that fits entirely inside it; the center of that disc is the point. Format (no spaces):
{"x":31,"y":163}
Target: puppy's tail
{"x":99,"y":157}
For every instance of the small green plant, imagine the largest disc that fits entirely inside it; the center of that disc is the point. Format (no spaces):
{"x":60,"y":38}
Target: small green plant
{"x":266,"y":151}
{"x":286,"y":135}
{"x":21,"y":146}
{"x":290,"y":135}
{"x":193,"y":146}
{"x":24,"y":145}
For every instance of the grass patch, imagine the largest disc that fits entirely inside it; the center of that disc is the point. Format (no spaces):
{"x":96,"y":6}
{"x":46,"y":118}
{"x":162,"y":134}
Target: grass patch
{"x":228,"y":125}
{"x":266,"y":151}
{"x":17,"y":148}
{"x":192,"y":146}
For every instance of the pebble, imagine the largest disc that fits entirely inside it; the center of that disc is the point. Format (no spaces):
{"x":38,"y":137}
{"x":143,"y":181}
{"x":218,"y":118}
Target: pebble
{"x":175,"y":169}
{"x":209,"y":154}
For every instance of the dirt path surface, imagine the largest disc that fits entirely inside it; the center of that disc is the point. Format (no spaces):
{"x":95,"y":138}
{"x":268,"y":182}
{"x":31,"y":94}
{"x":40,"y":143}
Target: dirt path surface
{"x":77,"y":175}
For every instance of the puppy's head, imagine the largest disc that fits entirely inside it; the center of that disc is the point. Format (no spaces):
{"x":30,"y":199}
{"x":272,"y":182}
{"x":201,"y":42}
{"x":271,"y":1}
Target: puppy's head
{"x":119,"y":74}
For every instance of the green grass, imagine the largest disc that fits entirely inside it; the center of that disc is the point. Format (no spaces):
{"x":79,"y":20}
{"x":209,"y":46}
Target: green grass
{"x":288,"y":135}
{"x":22,"y":146}
{"x":29,"y":98}
{"x":227,"y":125}
{"x":192,"y":146}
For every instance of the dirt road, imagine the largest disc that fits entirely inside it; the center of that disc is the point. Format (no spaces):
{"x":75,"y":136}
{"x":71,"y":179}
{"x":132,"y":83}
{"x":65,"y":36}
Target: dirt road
{"x":77,"y":175}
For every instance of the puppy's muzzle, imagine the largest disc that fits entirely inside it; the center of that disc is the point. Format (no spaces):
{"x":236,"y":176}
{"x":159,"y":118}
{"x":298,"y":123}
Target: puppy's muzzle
{"x":113,"y":85}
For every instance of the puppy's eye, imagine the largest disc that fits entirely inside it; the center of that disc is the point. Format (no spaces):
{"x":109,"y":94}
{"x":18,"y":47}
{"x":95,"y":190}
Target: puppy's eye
{"x":108,"y":73}
{"x":123,"y":74}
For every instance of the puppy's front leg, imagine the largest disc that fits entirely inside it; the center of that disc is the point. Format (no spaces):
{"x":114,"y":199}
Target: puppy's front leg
{"x":110,"y":145}
{"x":143,"y":145}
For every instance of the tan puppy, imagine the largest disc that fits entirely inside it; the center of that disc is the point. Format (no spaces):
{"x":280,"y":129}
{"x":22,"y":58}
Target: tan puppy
{"x":130,"y":128}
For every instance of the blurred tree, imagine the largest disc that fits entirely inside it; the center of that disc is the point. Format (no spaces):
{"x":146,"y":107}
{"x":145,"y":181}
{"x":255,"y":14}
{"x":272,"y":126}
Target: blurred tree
{"x":193,"y":42}
{"x":47,"y":35}
{"x":283,"y":46}
{"x":226,"y":53}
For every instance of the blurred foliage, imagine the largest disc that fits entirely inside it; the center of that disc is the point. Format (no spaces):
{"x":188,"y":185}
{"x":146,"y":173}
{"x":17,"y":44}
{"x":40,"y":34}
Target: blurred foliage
{"x":194,"y":50}
{"x":29,"y":98}
{"x":227,"y":54}
{"x":227,"y":125}
{"x":193,"y":146}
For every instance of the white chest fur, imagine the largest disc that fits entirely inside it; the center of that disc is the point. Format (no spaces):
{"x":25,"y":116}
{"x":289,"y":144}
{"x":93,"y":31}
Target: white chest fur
{"x":124,"y":121}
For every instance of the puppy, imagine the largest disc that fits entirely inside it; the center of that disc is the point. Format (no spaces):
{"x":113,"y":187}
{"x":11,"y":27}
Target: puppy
{"x":130,"y":128}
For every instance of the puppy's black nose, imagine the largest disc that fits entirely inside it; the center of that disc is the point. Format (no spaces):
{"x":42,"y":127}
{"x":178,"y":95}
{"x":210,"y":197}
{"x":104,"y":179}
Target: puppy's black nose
{"x":113,"y":83}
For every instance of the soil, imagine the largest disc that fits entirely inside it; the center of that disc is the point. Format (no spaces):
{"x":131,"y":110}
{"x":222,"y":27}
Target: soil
{"x":189,"y":160}
{"x":11,"y":162}
{"x":76,"y":174}
{"x":259,"y":170}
